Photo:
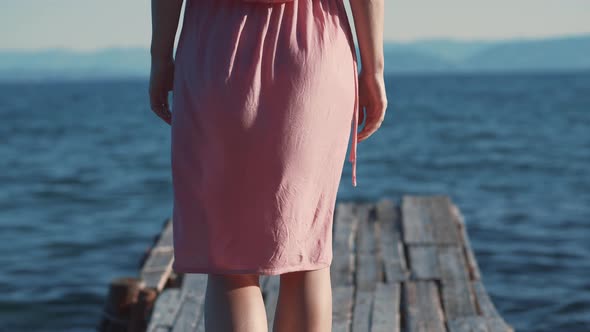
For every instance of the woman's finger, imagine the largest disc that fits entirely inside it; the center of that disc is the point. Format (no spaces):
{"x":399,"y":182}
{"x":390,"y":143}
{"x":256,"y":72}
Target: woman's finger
{"x":166,"y":114}
{"x":368,"y":130}
{"x":159,"y":105}
{"x":160,"y":111}
{"x":373,"y":122}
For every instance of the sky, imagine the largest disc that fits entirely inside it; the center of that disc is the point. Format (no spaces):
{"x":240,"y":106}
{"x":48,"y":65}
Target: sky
{"x":91,"y":24}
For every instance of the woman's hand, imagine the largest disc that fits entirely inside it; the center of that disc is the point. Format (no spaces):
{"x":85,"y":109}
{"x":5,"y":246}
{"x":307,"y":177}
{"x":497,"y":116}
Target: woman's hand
{"x":373,"y":98}
{"x":161,"y":82}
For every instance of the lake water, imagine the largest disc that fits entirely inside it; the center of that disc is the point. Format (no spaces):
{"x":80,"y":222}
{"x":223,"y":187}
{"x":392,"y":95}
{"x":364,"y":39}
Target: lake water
{"x":86,"y":184}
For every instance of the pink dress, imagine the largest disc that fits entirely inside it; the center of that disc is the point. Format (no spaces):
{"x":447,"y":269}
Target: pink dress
{"x":265,"y":101}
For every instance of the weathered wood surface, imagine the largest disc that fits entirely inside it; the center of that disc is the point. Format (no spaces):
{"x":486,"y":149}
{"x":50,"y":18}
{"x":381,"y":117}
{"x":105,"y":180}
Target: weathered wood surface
{"x":270,"y":291}
{"x":396,"y":267}
{"x":157,"y":268}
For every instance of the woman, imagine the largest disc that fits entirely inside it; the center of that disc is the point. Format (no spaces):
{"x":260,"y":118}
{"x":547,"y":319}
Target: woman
{"x":264,"y":95}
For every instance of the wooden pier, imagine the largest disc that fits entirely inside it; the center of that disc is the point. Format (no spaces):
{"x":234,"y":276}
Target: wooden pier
{"x":404,"y":266}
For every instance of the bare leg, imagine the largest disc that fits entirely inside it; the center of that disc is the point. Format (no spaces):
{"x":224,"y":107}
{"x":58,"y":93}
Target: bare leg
{"x":233,"y":303}
{"x":305,"y":302}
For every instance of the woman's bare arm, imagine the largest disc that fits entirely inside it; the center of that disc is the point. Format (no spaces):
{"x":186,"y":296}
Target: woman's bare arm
{"x":368,"y":21}
{"x":165,"y":16}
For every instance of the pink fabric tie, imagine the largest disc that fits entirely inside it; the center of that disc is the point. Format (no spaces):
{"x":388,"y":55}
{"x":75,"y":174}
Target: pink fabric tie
{"x":355,"y":117}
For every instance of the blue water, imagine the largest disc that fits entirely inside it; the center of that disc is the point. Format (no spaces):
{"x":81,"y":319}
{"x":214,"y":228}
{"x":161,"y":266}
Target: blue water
{"x":85,"y":185}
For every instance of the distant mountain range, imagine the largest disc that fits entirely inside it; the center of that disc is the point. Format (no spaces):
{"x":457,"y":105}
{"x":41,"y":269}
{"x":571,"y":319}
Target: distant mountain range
{"x":424,"y":56}
{"x":552,"y":54}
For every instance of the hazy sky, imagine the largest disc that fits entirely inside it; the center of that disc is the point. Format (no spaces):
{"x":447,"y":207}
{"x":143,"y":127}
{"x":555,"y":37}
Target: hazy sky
{"x":90,"y":24}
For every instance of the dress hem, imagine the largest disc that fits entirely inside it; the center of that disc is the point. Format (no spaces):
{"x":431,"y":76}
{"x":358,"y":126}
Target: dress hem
{"x":275,"y":271}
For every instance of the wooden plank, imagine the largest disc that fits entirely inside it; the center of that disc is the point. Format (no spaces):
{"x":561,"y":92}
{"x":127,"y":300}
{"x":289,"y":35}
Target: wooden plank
{"x":474,"y":272}
{"x":270,"y":294}
{"x":391,"y":248}
{"x":368,"y":270}
{"x":385,"y":314}
{"x":416,"y":223}
{"x":457,"y":296}
{"x":266,"y":286}
{"x":428,"y":219}
{"x":423,"y":262}
{"x":498,"y":324}
{"x":161,"y":329}
{"x":343,"y":261}
{"x":363,"y":302}
{"x":165,"y":310}
{"x":194,"y":284}
{"x":201,"y":324}
{"x":160,"y":258}
{"x":468,"y":324}
{"x":155,"y":279}
{"x":166,"y":235}
{"x":422,"y":307}
{"x":342,"y":303}
{"x":445,"y":222}
{"x":263,"y":279}
{"x":488,"y":310}
{"x":189,"y":314}
{"x":158,"y":266}
{"x":486,"y":307}
{"x":193,"y":291}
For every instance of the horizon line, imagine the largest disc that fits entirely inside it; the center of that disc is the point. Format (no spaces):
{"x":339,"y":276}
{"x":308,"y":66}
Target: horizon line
{"x":65,"y":48}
